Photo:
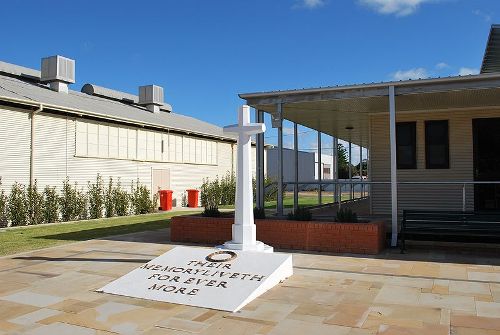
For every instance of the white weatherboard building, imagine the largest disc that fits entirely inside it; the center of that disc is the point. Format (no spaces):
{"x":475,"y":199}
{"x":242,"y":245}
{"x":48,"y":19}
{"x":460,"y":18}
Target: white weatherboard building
{"x":49,"y":132}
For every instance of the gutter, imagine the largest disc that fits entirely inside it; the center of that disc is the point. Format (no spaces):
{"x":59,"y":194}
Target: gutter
{"x":32,"y":143}
{"x":81,"y":112}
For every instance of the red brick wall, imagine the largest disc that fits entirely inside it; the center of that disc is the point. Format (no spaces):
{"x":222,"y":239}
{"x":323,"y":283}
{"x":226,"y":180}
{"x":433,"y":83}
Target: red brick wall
{"x":360,"y":238}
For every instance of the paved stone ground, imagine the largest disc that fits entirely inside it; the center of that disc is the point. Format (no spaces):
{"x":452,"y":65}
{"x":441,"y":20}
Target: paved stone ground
{"x":428,"y":291}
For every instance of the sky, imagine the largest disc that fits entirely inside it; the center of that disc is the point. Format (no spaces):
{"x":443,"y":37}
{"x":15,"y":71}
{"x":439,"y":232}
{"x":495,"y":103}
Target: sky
{"x":205,"y":52}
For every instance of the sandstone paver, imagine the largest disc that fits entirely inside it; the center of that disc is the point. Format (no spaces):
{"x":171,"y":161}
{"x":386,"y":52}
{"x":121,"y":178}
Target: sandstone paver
{"x":52,"y":291}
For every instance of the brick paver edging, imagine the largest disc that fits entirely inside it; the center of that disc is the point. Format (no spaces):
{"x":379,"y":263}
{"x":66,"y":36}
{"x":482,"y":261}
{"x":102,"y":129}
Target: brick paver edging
{"x":359,"y":238}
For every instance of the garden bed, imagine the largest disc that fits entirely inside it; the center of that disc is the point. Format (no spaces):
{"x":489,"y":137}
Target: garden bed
{"x":359,"y":238}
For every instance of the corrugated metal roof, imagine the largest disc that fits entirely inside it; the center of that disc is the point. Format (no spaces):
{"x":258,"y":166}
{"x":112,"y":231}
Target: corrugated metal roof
{"x":491,"y":58}
{"x":374,"y":85}
{"x":81,"y":103}
{"x":117,"y":95}
{"x":21,"y":71}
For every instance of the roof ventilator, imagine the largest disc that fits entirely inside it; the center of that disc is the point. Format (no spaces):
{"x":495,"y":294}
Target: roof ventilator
{"x":58,"y":72}
{"x":151,"y":96}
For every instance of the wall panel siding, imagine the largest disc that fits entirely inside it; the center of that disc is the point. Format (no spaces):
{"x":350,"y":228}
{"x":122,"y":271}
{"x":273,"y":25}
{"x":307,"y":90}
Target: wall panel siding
{"x":14,"y":146}
{"x":56,"y":157}
{"x":438,"y":197}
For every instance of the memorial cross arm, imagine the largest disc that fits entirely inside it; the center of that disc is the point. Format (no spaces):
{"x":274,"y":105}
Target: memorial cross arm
{"x":247,"y":129}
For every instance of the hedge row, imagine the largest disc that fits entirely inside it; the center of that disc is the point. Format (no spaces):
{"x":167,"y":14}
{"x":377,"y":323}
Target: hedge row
{"x":29,"y":206}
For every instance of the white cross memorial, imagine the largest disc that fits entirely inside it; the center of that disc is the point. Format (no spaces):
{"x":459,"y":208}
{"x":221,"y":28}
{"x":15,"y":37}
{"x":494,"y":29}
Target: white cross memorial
{"x":244,"y":230}
{"x":226,"y":279}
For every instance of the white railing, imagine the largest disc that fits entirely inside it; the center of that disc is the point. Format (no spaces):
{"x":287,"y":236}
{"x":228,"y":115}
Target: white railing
{"x":366,"y":190}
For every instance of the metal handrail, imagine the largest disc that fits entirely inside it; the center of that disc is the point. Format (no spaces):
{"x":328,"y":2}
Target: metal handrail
{"x":362,"y":182}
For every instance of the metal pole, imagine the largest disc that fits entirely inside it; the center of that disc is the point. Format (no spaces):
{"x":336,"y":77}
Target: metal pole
{"x":32,"y":145}
{"x":361,"y":171}
{"x":463,"y":198}
{"x":279,"y":204}
{"x":296,"y":161}
{"x":394,"y":179}
{"x":259,"y":161}
{"x":320,"y":168}
{"x":351,"y":193}
{"x":335,"y":169}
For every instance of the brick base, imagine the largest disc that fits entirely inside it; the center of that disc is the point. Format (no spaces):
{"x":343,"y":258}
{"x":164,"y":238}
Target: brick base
{"x":358,"y":238}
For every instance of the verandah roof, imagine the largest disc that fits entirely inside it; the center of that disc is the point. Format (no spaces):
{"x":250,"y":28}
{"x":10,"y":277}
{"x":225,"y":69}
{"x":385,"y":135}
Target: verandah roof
{"x":332,"y":109}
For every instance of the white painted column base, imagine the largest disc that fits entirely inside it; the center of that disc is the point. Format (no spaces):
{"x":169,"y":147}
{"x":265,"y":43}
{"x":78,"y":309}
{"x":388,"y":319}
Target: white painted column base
{"x":258,"y":246}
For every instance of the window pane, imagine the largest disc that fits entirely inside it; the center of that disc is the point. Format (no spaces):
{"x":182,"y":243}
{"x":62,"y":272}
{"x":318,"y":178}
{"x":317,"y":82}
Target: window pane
{"x":437,"y":154}
{"x":406,"y":145}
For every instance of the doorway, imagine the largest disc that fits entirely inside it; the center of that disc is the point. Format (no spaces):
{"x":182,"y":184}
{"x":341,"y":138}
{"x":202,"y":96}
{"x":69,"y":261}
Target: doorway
{"x":486,"y":142}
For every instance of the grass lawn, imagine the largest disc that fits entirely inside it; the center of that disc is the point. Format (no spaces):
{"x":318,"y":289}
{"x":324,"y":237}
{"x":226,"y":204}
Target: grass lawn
{"x":19,"y":239}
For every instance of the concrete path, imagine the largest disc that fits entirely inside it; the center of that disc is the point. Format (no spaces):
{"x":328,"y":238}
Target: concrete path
{"x":427,"y":291}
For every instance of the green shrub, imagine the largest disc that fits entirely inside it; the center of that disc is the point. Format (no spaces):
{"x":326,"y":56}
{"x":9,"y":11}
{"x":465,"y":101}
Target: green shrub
{"x":259,"y":213}
{"x":227,"y":189}
{"x":17,"y":205}
{"x":68,"y":202}
{"x":95,"y":195}
{"x":211,"y":194}
{"x":346,"y":215}
{"x":109,"y":204}
{"x":121,"y":200}
{"x":3,"y":207}
{"x":141,"y":199}
{"x":301,"y":214}
{"x":50,"y":205}
{"x":82,"y":204}
{"x":35,"y":205}
{"x":184,"y":202}
{"x":212,"y":212}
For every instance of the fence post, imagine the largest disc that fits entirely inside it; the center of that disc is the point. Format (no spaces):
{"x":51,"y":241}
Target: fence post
{"x":463,"y":198}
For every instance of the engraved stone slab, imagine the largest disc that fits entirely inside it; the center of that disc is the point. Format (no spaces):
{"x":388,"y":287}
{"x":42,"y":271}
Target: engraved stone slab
{"x":211,"y":278}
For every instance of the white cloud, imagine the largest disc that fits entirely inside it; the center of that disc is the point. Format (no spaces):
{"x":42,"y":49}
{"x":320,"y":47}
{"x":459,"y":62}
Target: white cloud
{"x":287,"y":131}
{"x":311,"y":4}
{"x":465,"y":71}
{"x":442,"y":65}
{"x":396,"y":7}
{"x":486,"y":16}
{"x":416,"y":73}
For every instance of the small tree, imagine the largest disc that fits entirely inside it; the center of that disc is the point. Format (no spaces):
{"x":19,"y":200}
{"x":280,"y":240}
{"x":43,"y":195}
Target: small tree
{"x":35,"y":205}
{"x":141,"y":199}
{"x":17,"y":208}
{"x":227,"y":186}
{"x":51,"y":205}
{"x":82,"y":204}
{"x":121,"y":200}
{"x":3,"y":207}
{"x":68,"y":202}
{"x":96,"y":198}
{"x":109,"y":205}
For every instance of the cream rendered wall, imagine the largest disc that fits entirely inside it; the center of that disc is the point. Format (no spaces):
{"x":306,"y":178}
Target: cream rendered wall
{"x":437,"y":197}
{"x":54,"y":157}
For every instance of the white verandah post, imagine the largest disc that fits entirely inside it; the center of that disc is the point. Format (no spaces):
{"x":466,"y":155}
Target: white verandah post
{"x":279,"y":202}
{"x":320,"y":170}
{"x":361,"y":171}
{"x":296,"y":167}
{"x":259,"y":161}
{"x":394,"y":181}
{"x":335,"y":170}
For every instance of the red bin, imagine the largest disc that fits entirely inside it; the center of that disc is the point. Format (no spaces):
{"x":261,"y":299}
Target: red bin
{"x":193,"y":198}
{"x":166,"y":200}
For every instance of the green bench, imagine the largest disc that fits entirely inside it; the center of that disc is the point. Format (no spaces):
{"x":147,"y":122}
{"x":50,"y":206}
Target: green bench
{"x":441,"y":224}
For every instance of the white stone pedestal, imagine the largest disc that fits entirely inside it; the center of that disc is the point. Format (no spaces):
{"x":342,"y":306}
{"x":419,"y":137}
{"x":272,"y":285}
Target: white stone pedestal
{"x":249,"y":245}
